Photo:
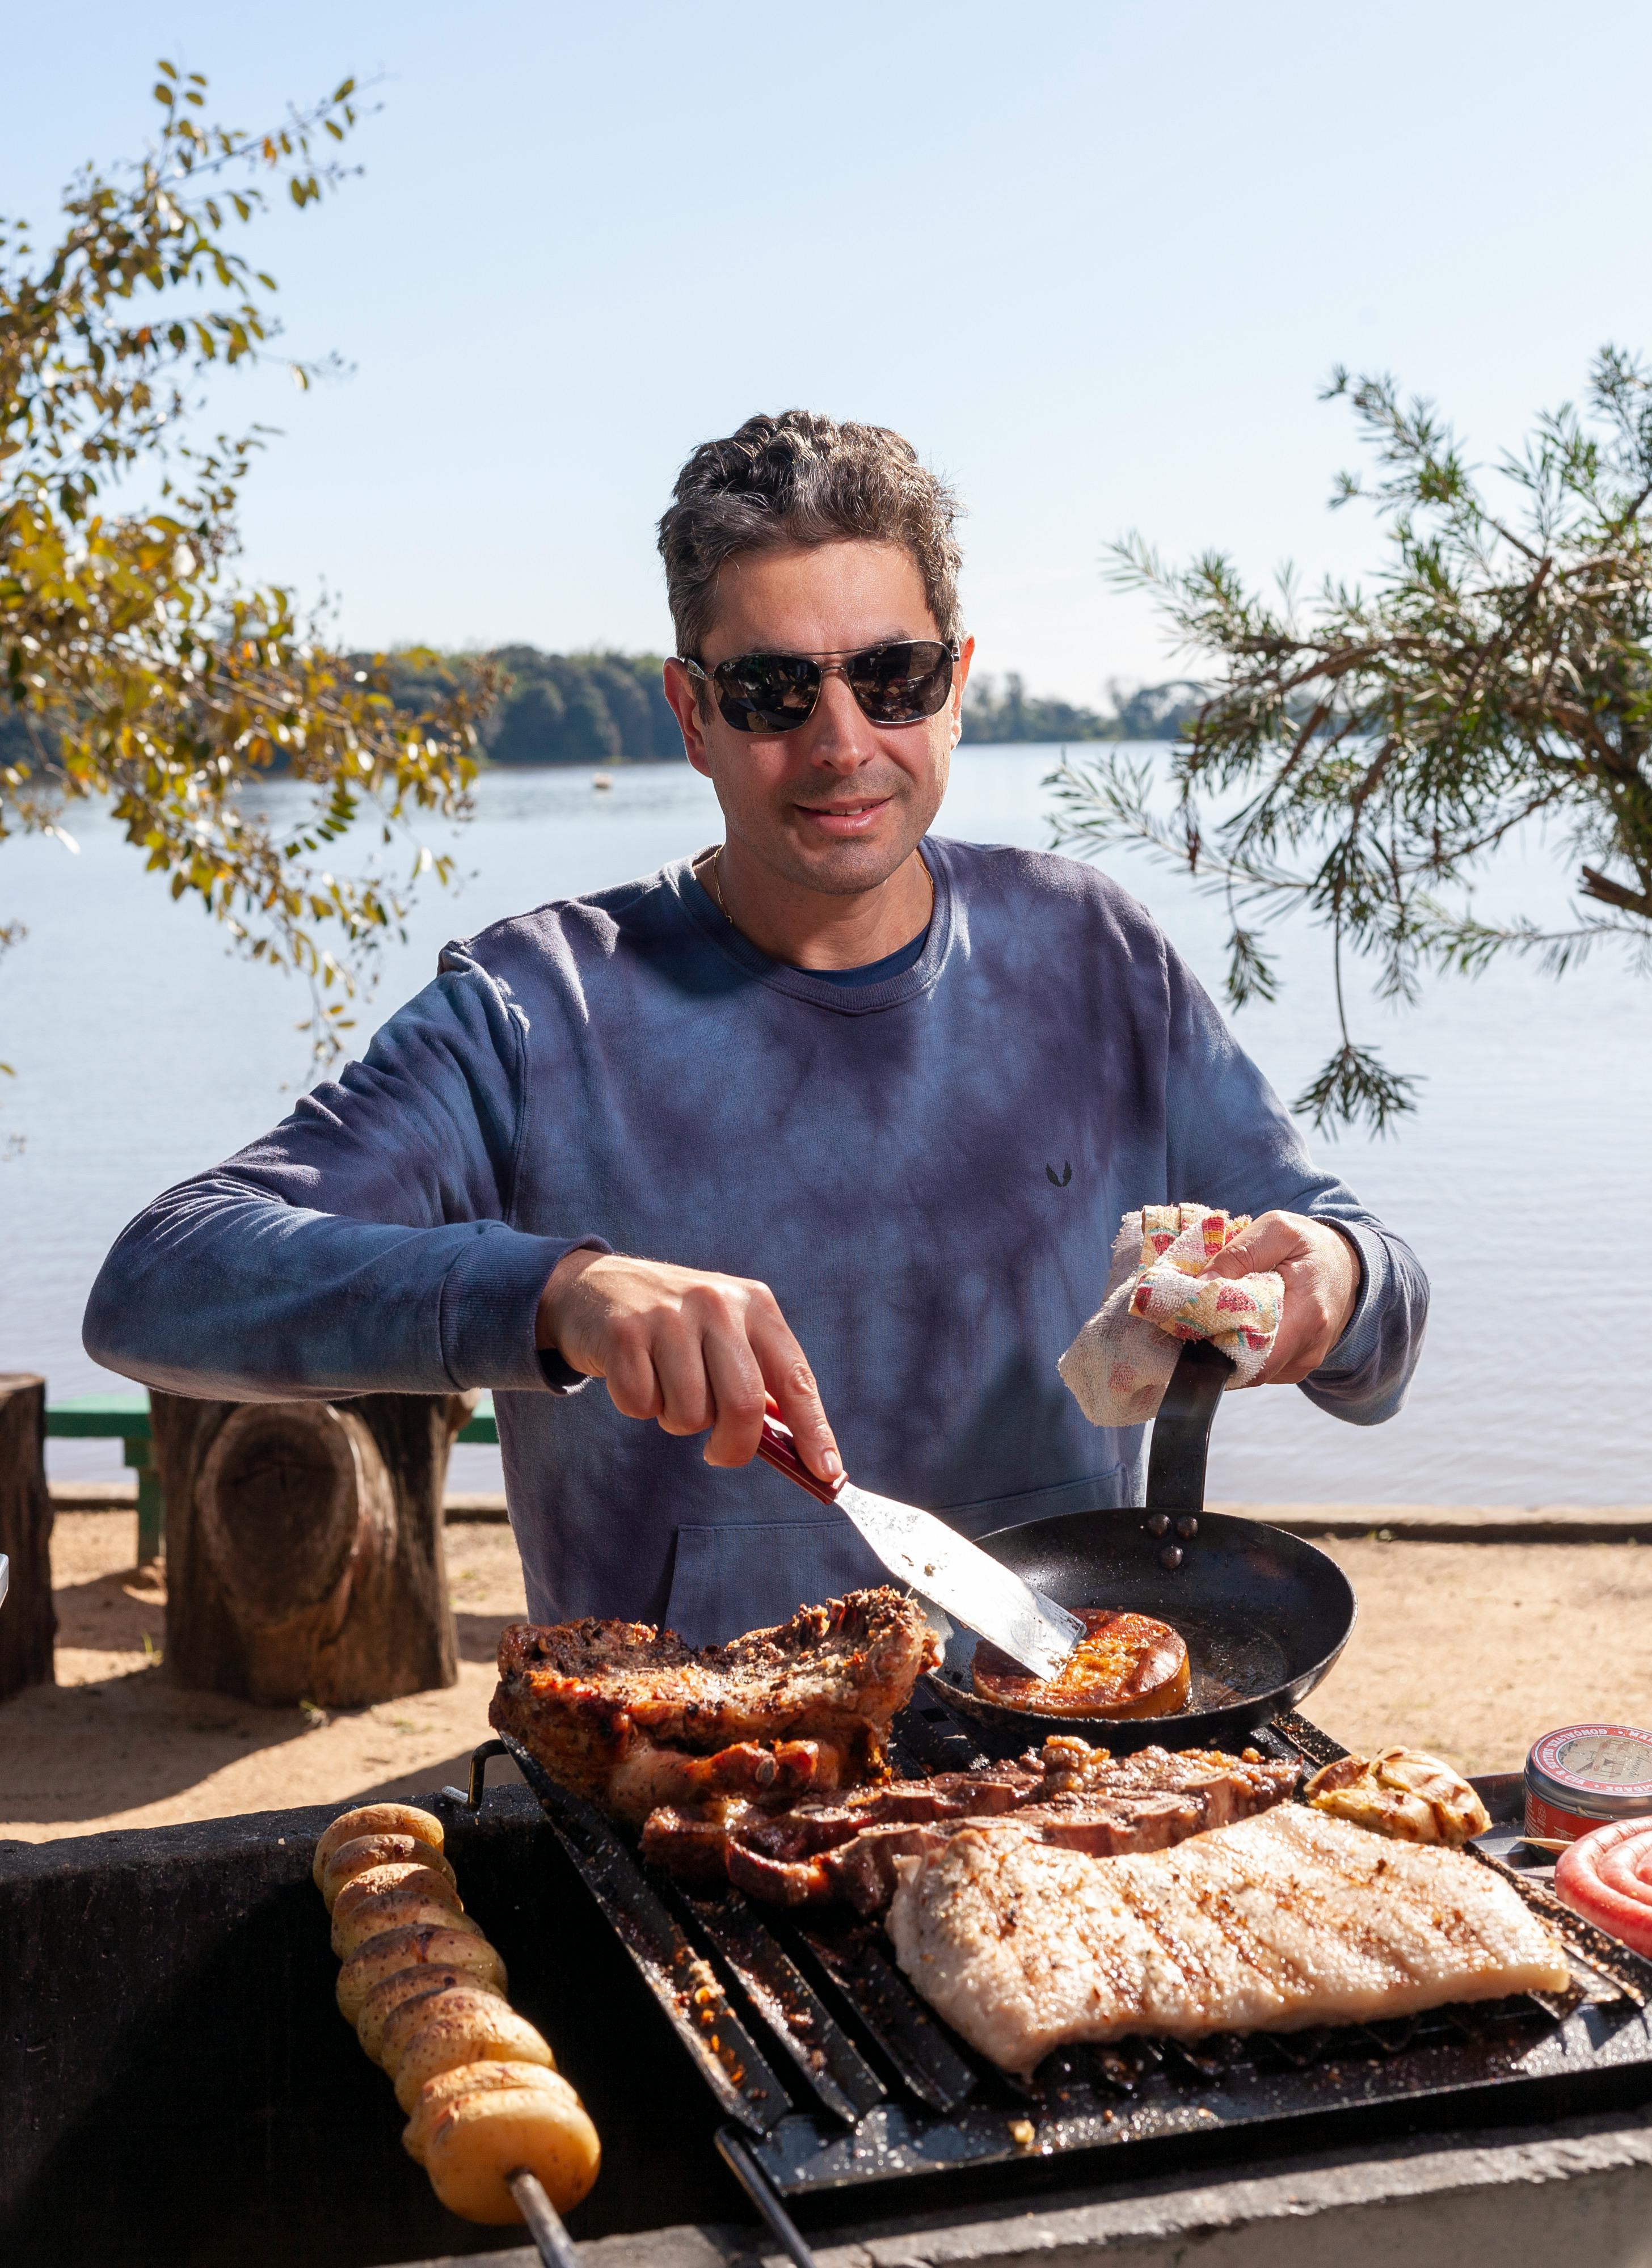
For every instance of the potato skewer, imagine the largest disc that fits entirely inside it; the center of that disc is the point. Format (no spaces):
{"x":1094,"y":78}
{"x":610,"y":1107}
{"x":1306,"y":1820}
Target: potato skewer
{"x":501,"y":2134}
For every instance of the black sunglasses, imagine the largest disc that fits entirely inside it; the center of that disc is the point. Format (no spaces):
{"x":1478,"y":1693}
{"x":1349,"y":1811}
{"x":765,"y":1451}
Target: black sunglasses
{"x":899,"y":684}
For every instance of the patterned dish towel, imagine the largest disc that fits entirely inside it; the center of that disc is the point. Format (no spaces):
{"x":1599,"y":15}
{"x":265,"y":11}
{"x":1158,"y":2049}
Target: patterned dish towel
{"x":1157,"y":1295}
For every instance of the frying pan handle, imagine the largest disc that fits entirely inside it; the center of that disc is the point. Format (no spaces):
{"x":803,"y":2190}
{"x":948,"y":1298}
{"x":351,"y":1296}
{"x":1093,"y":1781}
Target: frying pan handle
{"x":1181,"y":1431}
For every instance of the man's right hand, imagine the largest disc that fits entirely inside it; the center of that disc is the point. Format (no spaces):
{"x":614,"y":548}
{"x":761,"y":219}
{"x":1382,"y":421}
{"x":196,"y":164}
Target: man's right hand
{"x":692,"y":1350}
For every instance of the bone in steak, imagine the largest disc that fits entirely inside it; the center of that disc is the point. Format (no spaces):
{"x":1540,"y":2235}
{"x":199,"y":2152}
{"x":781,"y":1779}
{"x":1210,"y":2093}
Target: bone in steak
{"x":633,"y":1718}
{"x":822,"y":1847}
{"x":1275,"y":1923}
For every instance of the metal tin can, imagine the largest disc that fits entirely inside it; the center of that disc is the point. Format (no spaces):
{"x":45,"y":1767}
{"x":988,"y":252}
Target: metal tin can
{"x":1584,"y":1775}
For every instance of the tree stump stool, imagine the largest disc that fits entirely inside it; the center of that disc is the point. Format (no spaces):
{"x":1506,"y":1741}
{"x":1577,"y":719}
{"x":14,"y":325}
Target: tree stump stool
{"x":303,"y":1545}
{"x":28,"y":1620}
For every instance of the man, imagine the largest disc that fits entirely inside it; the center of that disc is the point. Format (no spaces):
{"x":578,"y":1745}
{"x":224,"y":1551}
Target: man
{"x":838,"y":1110}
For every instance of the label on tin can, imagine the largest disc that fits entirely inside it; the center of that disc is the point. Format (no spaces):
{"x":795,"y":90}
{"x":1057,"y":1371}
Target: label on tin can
{"x":1614,"y":1761}
{"x":1548,"y":1819}
{"x":1582,"y":1776}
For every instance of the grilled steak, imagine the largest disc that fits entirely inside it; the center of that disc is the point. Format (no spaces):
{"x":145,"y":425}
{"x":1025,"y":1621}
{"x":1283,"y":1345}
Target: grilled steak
{"x":1274,"y":1923}
{"x":1066,"y":1792}
{"x":633,"y":1717}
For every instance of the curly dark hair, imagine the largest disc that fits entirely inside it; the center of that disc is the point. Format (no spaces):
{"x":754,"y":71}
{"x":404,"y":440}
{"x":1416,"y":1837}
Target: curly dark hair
{"x":802,"y":478}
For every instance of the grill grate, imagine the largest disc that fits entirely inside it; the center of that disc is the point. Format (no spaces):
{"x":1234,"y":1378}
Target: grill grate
{"x":876,"y":2088}
{"x":916,"y":2042}
{"x":829,"y":2060}
{"x":682,"y":1978}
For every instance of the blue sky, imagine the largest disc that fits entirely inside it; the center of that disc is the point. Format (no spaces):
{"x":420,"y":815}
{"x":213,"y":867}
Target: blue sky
{"x":1096,"y":260}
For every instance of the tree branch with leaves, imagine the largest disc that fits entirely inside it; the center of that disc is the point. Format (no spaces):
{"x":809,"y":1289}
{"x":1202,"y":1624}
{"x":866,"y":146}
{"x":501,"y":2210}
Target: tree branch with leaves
{"x":1360,"y":758}
{"x":138,"y":670}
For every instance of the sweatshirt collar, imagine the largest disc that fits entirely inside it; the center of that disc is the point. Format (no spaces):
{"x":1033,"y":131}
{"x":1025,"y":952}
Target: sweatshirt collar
{"x":842,"y":999}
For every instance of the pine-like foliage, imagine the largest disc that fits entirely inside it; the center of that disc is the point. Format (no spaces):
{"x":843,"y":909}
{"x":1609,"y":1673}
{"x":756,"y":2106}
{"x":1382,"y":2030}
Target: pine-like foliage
{"x":1362,"y":756}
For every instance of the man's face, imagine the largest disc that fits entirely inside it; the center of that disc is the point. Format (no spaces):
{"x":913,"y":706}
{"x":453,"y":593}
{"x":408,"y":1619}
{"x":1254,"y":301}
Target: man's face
{"x":838,"y":804}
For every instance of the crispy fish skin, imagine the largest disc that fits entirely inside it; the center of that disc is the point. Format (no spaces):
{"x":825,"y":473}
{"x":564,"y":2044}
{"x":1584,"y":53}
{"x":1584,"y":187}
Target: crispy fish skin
{"x":1275,"y":1923}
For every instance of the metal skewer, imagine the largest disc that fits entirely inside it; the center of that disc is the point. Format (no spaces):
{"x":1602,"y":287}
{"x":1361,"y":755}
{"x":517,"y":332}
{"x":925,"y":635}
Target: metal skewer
{"x":556,"y":2249}
{"x":765,"y":2197}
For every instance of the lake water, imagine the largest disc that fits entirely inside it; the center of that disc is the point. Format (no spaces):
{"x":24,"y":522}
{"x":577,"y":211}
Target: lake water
{"x":144,"y":1051}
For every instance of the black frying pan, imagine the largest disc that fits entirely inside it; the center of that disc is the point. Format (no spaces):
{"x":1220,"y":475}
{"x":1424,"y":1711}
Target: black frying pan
{"x":1263,"y":1614}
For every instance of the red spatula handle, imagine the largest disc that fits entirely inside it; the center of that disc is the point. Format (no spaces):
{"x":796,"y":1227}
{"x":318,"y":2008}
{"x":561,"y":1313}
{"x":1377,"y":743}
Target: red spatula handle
{"x":777,"y":1448}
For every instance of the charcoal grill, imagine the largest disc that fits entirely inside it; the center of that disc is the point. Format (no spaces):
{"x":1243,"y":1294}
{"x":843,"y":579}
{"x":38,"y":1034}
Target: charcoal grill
{"x":834,"y":2078}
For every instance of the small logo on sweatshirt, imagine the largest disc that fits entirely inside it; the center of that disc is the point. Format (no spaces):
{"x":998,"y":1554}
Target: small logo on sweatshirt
{"x":1060,"y":1180}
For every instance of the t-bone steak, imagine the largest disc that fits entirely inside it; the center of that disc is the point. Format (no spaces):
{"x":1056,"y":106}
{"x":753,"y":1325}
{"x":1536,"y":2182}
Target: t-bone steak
{"x":819,"y":1847}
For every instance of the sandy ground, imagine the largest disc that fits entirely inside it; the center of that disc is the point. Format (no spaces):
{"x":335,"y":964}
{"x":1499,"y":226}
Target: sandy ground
{"x":1469,"y":1649}
{"x":1473,"y":1650}
{"x":115,"y":1743}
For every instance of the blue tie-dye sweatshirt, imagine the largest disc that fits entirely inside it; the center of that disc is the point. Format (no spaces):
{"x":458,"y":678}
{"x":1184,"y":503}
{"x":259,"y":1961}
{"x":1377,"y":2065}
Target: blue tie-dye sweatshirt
{"x":928,"y":1171}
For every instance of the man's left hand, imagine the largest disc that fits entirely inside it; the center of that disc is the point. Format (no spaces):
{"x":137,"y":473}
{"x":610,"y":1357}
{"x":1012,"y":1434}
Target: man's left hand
{"x":1320,"y":1270}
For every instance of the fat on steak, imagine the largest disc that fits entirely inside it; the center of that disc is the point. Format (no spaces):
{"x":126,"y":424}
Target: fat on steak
{"x":631,"y":1717}
{"x":844,"y":1846}
{"x":1274,"y":1923}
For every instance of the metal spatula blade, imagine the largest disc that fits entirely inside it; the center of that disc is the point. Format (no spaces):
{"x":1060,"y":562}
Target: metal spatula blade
{"x":941,"y":1566}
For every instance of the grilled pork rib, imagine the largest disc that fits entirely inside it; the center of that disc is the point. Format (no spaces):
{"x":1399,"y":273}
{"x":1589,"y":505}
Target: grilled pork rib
{"x":633,"y":1717}
{"x":822,"y":1847}
{"x":1274,"y":1923}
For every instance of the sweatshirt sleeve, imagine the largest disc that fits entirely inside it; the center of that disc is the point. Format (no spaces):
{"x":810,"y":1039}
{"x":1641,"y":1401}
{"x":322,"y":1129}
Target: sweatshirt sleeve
{"x":365,"y":1244}
{"x":1232,"y":1142}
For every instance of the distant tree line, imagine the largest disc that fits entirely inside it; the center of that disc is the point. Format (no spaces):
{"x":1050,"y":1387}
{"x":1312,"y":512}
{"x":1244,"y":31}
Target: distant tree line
{"x":600,"y":709}
{"x":561,"y":708}
{"x":1152,"y":712}
{"x":610,"y":709}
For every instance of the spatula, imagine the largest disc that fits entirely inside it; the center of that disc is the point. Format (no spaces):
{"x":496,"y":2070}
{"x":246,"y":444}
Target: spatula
{"x":941,"y":1566}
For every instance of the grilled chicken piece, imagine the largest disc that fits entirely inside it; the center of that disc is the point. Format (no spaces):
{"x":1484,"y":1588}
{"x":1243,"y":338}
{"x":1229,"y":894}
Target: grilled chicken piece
{"x":1272,"y":1923}
{"x":1402,"y":1792}
{"x":1066,"y":1792}
{"x":631,"y":1717}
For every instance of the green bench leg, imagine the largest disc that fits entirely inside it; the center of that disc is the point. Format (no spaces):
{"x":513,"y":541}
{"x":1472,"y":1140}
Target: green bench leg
{"x":152,"y":1505}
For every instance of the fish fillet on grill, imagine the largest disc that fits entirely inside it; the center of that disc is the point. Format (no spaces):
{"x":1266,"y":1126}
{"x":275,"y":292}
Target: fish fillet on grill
{"x":633,"y":1716}
{"x":1274,"y":1923}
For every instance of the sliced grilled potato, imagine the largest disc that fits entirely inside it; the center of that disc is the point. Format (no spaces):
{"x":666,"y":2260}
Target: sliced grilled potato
{"x":467,"y":2079}
{"x":363,"y":1852}
{"x":371,"y":1917}
{"x":417,"y":1984}
{"x":1404,"y":1793}
{"x":400,"y":1874}
{"x":478,"y":2140}
{"x":376,"y":1819}
{"x":453,"y":2027}
{"x":427,"y":1945}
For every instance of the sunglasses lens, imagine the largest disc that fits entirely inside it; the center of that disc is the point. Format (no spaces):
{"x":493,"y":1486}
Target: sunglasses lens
{"x":776,"y":692}
{"x":767,"y":692}
{"x":899,"y":684}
